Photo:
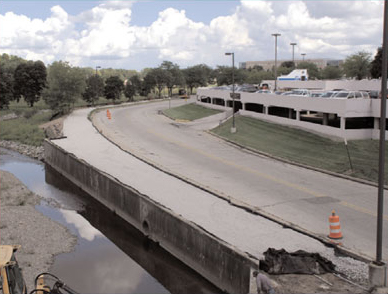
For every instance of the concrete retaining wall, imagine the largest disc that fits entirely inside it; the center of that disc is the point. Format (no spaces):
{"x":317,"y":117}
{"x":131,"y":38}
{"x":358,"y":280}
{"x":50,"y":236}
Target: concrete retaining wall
{"x":217,"y":261}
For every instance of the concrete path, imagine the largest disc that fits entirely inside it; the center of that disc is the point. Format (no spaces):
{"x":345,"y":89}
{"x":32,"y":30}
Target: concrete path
{"x":245,"y":231}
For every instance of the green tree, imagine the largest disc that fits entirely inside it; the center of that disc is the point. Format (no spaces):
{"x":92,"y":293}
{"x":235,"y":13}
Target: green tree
{"x":257,"y":76}
{"x":331,"y":73}
{"x":197,"y":76}
{"x":283,"y":70}
{"x":65,"y":85}
{"x":113,"y":88}
{"x":148,"y":84}
{"x":6,"y":89}
{"x":129,"y":91}
{"x":288,"y":64}
{"x":225,"y":73}
{"x":94,"y":89}
{"x":132,"y":87}
{"x":377,"y":64}
{"x":357,"y":65}
{"x":29,"y":81}
{"x":157,"y":77}
{"x":312,"y":69}
{"x":173,"y":75}
{"x":136,"y":82}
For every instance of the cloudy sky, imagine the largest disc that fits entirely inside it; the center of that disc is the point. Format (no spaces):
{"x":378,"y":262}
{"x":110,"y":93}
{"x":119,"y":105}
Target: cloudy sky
{"x":139,"y":34}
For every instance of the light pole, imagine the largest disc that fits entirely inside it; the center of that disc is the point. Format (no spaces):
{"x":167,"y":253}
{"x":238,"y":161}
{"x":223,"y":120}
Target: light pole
{"x":377,"y":269}
{"x":97,"y":68}
{"x":382,"y":139}
{"x":293,"y":47}
{"x":303,"y":55}
{"x":233,"y":129}
{"x":276,"y":35}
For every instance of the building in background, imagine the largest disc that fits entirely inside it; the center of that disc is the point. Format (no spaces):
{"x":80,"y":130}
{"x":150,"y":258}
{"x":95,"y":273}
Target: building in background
{"x":269,"y":64}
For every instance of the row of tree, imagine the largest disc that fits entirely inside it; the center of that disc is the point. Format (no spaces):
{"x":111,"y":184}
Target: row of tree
{"x":60,"y":85}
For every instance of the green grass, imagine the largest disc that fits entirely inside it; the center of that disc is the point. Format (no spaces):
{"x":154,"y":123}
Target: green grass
{"x":306,"y":148}
{"x":189,"y":112}
{"x":25,"y":130}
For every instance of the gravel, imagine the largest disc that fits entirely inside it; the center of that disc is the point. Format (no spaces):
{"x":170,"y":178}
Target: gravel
{"x":36,"y":152}
{"x":40,"y":237}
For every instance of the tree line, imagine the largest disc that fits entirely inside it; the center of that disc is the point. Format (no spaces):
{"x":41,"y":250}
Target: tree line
{"x":60,"y":85}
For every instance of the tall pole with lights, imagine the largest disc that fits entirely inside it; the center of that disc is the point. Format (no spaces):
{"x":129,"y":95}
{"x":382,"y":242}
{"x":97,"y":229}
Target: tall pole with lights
{"x":293,"y":56}
{"x":97,"y":68}
{"x":303,"y":55}
{"x":233,"y":129}
{"x":383,"y":116}
{"x":276,"y":35}
{"x":378,"y":269}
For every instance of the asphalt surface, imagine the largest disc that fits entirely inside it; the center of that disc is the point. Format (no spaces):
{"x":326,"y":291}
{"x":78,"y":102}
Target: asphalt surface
{"x":290,"y":193}
{"x":244,"y":231}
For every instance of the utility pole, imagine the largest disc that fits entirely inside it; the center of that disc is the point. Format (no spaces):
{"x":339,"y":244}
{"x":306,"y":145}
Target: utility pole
{"x":276,"y":35}
{"x":293,"y":47}
{"x":233,"y":129}
{"x":378,"y":269}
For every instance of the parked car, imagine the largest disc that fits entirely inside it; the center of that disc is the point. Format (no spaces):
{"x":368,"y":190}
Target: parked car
{"x":329,"y":94}
{"x":264,"y":91}
{"x":374,"y":94}
{"x":246,"y":88}
{"x":351,"y":95}
{"x":298,"y":92}
{"x":316,"y":94}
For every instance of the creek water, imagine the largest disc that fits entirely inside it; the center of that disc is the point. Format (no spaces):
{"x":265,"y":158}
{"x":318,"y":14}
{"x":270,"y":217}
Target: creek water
{"x":110,"y":255}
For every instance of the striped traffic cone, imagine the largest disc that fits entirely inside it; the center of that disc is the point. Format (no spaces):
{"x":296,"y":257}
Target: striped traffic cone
{"x":335,"y":227}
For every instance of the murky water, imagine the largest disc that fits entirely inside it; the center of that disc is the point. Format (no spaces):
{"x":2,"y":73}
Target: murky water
{"x":110,"y":256}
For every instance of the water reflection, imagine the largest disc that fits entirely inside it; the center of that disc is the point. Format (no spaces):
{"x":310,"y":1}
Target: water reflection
{"x":169,"y":271}
{"x":110,"y":256}
{"x":32,"y":173}
{"x":85,"y":230}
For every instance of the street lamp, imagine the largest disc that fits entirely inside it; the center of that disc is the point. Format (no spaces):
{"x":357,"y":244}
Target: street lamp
{"x":276,"y":35}
{"x":233,"y":129}
{"x":303,"y":55}
{"x":293,"y":47}
{"x":380,"y":199}
{"x":97,"y":68}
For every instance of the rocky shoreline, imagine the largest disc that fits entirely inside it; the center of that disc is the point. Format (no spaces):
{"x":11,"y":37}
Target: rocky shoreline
{"x":41,"y":238}
{"x":36,"y":152}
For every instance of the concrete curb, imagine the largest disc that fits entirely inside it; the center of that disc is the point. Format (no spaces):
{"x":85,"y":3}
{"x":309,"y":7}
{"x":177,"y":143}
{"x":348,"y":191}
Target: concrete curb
{"x":240,"y":204}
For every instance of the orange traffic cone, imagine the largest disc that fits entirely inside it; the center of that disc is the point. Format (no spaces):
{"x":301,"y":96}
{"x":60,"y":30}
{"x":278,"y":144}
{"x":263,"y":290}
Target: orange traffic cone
{"x":108,"y":114}
{"x":335,"y":227}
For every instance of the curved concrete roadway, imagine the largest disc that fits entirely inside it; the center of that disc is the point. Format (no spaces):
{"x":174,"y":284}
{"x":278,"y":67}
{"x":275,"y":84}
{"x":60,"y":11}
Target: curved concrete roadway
{"x":294,"y":194}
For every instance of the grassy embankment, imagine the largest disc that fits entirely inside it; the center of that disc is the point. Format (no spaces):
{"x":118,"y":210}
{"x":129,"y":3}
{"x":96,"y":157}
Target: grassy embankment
{"x":25,"y":129}
{"x":299,"y":146}
{"x":189,"y":112}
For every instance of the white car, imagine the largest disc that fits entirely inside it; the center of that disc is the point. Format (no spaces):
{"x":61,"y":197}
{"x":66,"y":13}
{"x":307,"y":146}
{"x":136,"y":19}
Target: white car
{"x":298,"y":92}
{"x":351,"y":95}
{"x":264,"y":91}
{"x":329,"y":94}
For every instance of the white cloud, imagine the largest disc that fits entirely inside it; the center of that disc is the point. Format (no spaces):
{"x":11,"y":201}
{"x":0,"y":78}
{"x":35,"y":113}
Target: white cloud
{"x":106,"y":35}
{"x":84,"y":228}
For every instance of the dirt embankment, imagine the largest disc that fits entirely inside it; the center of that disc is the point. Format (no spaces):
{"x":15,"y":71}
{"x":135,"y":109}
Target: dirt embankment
{"x":20,"y":223}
